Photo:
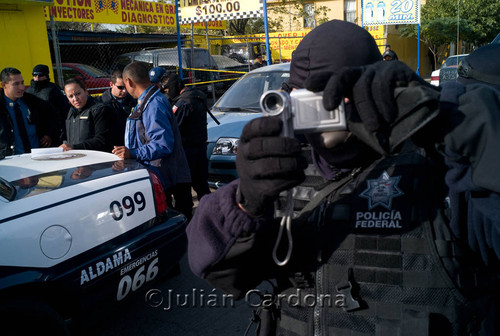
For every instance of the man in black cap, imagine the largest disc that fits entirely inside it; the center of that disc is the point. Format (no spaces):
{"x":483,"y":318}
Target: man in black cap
{"x":389,"y":53}
{"x":43,"y":88}
{"x":258,"y":62}
{"x":370,"y":249}
{"x":26,"y":121}
{"x":121,"y":102}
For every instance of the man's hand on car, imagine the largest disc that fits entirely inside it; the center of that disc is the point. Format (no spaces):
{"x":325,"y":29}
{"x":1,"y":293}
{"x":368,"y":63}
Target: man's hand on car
{"x":121,"y":151}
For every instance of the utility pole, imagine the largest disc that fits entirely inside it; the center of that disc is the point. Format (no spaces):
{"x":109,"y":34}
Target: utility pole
{"x":458,"y":23}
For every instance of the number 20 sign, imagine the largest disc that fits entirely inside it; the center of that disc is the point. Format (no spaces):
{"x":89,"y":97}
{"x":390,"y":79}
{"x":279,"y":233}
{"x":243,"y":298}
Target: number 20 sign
{"x":192,"y":11}
{"x":391,"y":12}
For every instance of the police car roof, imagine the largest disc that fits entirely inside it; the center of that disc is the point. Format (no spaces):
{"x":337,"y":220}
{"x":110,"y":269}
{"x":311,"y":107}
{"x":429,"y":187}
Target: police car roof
{"x":16,"y":167}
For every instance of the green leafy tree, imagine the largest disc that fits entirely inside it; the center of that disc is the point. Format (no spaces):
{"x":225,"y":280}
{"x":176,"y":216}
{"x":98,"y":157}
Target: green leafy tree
{"x":250,"y":26}
{"x":484,"y":18}
{"x":238,"y":26}
{"x":474,"y":21}
{"x":294,"y":9}
{"x":297,"y":11}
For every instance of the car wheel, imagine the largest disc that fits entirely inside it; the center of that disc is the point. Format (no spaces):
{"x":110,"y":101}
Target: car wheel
{"x":30,"y":317}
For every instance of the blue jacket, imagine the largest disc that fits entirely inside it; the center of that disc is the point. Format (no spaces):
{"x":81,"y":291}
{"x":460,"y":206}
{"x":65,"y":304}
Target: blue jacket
{"x":154,"y":139}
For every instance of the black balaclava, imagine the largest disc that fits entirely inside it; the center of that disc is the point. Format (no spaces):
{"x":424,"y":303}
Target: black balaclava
{"x":40,"y":69}
{"x":328,"y":48}
{"x":39,"y":85}
{"x":481,"y":66}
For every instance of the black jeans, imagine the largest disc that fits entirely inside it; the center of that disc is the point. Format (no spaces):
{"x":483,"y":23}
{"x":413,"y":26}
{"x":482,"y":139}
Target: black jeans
{"x":179,"y":198}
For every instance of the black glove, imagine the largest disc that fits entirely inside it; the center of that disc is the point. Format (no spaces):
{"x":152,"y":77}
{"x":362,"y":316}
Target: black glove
{"x":372,"y":89}
{"x":267,"y":164}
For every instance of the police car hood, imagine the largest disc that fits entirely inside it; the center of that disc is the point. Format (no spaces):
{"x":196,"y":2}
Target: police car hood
{"x":231,"y":124}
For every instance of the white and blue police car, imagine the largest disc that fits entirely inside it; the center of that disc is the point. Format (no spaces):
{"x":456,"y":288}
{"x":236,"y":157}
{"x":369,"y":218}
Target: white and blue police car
{"x":79,"y":229}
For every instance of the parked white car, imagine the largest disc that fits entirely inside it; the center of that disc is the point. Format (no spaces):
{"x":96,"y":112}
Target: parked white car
{"x":450,"y":62}
{"x":79,"y":229}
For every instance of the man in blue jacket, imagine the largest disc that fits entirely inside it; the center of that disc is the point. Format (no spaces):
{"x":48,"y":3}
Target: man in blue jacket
{"x":152,"y":136}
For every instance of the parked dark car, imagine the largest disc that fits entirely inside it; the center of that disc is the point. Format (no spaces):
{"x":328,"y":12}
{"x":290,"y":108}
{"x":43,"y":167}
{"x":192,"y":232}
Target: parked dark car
{"x":96,"y":80}
{"x":230,"y":71}
{"x":239,"y":105}
{"x":197,"y":64}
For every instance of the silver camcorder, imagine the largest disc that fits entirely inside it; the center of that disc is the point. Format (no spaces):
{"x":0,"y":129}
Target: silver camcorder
{"x":302,"y":111}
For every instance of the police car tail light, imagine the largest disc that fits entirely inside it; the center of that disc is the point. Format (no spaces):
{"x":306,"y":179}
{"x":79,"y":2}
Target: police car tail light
{"x":160,"y":198}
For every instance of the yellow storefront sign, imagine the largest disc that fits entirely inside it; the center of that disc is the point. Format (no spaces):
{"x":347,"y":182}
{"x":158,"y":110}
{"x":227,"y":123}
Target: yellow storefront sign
{"x":210,"y":25}
{"x":389,"y":12}
{"x":378,"y":33}
{"x":133,"y":12}
{"x":286,"y":42}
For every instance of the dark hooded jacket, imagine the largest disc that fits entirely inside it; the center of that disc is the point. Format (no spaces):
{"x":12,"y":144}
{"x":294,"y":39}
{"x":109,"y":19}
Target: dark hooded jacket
{"x":52,"y":94}
{"x":190,"y":110}
{"x":121,"y":112}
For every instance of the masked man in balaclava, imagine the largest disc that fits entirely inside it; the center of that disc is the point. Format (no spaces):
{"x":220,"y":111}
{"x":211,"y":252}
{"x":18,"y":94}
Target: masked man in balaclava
{"x":371,"y":252}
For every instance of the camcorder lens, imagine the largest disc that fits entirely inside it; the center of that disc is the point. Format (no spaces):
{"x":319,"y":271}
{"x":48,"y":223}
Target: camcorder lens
{"x":273,"y":103}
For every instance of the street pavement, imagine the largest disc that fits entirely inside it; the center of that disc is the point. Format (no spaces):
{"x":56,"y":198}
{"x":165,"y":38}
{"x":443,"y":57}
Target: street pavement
{"x":155,"y":311}
{"x":190,"y":315}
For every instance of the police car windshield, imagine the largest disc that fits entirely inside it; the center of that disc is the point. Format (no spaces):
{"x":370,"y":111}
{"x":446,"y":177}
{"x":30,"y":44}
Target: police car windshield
{"x":245,"y":94}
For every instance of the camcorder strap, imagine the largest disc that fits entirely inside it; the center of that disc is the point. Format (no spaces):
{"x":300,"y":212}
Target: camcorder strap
{"x":137,"y":115}
{"x":286,"y":221}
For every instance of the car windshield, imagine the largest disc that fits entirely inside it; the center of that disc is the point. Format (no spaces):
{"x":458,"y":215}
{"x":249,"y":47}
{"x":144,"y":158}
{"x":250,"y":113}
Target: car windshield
{"x":245,"y":94}
{"x":452,"y":61}
{"x":92,"y":72}
{"x":496,"y":39}
{"x":224,"y":62}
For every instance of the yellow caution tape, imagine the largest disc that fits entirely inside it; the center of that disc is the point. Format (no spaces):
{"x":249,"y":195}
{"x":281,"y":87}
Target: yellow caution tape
{"x":219,"y":70}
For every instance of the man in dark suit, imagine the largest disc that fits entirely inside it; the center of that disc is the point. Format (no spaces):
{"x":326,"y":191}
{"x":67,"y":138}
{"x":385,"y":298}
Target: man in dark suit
{"x":26,"y":121}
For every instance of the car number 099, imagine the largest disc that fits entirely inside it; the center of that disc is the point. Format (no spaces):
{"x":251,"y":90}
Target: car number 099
{"x":128,"y":283}
{"x":128,"y":203}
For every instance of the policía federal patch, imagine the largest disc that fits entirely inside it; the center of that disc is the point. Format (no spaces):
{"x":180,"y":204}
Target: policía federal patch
{"x":378,"y":215}
{"x":381,"y":191}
